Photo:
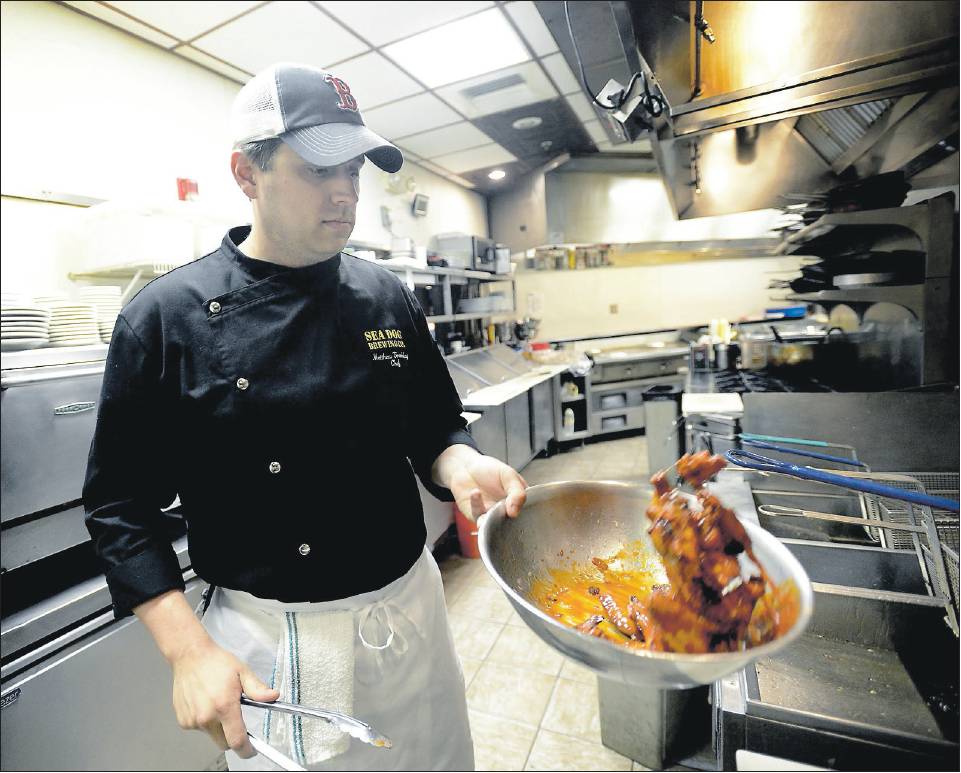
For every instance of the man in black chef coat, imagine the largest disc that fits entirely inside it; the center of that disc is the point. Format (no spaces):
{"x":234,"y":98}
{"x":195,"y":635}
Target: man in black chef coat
{"x":279,"y":387}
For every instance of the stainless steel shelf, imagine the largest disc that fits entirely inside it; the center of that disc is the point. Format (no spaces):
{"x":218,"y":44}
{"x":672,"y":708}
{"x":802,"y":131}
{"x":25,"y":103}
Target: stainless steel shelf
{"x":912,"y":218}
{"x":577,"y":399}
{"x":904,"y":295}
{"x":465,"y":317}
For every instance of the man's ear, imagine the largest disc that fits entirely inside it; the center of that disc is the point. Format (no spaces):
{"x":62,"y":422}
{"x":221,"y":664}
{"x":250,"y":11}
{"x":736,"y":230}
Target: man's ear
{"x":245,"y":173}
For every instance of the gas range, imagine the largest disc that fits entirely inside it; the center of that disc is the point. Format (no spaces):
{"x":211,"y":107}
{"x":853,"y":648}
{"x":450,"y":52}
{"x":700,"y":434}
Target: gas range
{"x":741,"y":381}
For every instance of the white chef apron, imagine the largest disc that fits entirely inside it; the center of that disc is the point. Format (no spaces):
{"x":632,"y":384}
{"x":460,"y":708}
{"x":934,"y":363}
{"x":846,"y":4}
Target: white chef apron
{"x":408,"y":682}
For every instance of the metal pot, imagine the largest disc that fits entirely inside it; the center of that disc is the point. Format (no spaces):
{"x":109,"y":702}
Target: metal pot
{"x":726,"y":356}
{"x":754,"y":350}
{"x":573,"y":521}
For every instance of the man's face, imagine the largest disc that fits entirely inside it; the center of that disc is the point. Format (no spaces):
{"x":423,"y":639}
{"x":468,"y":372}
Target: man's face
{"x":308,"y":210}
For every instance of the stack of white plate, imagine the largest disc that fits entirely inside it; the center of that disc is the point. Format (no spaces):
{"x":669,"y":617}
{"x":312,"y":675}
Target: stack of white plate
{"x":106,"y":299}
{"x":11,"y":298}
{"x":51,"y":299}
{"x":23,"y":325}
{"x":74,"y":324}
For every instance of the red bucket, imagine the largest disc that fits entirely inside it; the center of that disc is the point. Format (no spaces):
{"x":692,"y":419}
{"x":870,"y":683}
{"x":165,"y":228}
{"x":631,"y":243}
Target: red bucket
{"x":466,"y":534}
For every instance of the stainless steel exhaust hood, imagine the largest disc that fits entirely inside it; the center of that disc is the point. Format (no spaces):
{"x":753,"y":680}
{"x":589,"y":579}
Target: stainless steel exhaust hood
{"x":790,"y":97}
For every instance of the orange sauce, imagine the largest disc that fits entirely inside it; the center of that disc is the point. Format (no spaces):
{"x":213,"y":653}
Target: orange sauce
{"x":566,"y":593}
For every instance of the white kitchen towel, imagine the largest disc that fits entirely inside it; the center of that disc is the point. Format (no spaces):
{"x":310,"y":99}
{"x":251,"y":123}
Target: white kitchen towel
{"x":408,"y":682}
{"x":313,"y":667}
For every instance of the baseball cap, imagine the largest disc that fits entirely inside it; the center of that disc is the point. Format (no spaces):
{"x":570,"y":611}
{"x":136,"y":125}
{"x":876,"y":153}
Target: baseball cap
{"x":313,"y":112}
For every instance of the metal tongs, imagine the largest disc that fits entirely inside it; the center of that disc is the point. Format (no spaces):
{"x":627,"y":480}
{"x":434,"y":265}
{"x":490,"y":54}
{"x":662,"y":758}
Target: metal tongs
{"x":343,"y":722}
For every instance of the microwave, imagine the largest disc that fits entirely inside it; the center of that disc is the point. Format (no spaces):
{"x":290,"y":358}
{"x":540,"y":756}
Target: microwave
{"x":471,"y":252}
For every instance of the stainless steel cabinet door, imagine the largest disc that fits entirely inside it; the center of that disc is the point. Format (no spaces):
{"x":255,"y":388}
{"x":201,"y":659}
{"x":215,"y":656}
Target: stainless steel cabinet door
{"x":518,"y":417}
{"x":103,"y":704}
{"x":542,"y":414}
{"x":490,"y":432}
{"x":45,"y":437}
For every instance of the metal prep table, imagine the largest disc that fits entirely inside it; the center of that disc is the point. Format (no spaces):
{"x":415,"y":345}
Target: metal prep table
{"x":515,"y":397}
{"x":621,"y":375}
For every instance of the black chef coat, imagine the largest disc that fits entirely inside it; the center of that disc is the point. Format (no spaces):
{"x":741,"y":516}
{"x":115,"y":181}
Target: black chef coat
{"x":282,"y":405}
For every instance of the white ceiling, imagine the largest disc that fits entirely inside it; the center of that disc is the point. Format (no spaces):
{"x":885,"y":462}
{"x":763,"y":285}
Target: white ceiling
{"x":184,"y":19}
{"x":287,"y":31}
{"x":535,"y":87}
{"x":408,"y":63}
{"x":382,"y":23}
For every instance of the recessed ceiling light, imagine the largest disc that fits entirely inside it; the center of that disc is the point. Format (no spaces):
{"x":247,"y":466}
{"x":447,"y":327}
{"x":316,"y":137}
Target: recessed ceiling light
{"x":449,"y":53}
{"x":528,"y":122}
{"x":498,"y":174}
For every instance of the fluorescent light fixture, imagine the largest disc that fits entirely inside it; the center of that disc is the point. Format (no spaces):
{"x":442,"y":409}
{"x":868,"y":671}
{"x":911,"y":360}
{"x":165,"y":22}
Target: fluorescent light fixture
{"x":449,"y":53}
{"x":498,"y":174}
{"x":528,"y":122}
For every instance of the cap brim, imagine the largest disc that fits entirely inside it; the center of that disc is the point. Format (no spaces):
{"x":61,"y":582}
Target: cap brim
{"x":331,"y":144}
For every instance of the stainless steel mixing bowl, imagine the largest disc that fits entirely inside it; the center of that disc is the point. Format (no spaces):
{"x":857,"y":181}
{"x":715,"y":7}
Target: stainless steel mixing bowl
{"x":574,"y":521}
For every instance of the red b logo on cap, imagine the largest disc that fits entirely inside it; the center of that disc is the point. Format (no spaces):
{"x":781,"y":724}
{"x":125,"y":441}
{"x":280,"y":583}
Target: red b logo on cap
{"x":347,"y":101}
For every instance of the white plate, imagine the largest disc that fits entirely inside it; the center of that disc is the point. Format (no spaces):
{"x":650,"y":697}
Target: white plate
{"x":22,"y":334}
{"x":83,"y":342}
{"x":15,"y":344}
{"x":5,"y":329}
{"x":32,"y":311}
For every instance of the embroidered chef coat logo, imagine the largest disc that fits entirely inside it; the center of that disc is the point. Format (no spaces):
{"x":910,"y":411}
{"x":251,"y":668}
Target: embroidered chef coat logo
{"x":387,"y":345}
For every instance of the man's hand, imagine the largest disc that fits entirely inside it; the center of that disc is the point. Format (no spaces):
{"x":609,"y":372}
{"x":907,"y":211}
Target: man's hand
{"x":208,"y":682}
{"x":478,"y":482}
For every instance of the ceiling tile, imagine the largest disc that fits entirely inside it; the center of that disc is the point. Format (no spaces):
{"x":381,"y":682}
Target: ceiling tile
{"x":525,"y":15}
{"x":117,"y":19}
{"x":596,"y":131}
{"x":557,"y":67}
{"x":484,"y":184}
{"x":194,"y":55}
{"x":393,"y":21}
{"x":460,"y":49}
{"x":475,"y":158}
{"x":287,"y":31}
{"x":430,"y":167}
{"x":184,"y":19}
{"x":410,"y":116}
{"x":581,"y":107}
{"x":449,"y":139}
{"x":559,"y":131}
{"x":522,"y":84}
{"x":374,"y":80}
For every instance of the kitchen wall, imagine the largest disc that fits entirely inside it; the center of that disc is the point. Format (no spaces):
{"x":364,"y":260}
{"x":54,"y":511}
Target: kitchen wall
{"x":579,"y":303}
{"x":90,"y":111}
{"x":585,"y":207}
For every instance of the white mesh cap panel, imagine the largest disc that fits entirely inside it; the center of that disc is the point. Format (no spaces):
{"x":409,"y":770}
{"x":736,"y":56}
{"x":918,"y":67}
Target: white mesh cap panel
{"x":256,"y":113}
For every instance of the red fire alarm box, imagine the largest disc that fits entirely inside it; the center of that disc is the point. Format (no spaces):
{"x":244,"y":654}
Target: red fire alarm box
{"x":186,"y":189}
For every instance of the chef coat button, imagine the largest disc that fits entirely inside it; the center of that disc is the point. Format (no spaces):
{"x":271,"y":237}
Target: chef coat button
{"x":274,"y":467}
{"x":304,"y":549}
{"x":242,"y":384}
{"x":214,"y":307}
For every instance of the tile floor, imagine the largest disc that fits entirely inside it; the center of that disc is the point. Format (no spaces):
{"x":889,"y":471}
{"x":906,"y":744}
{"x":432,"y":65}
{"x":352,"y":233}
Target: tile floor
{"x":530,"y":707}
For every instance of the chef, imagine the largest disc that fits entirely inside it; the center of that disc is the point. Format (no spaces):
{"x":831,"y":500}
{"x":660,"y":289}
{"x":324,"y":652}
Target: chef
{"x":288,"y":392}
